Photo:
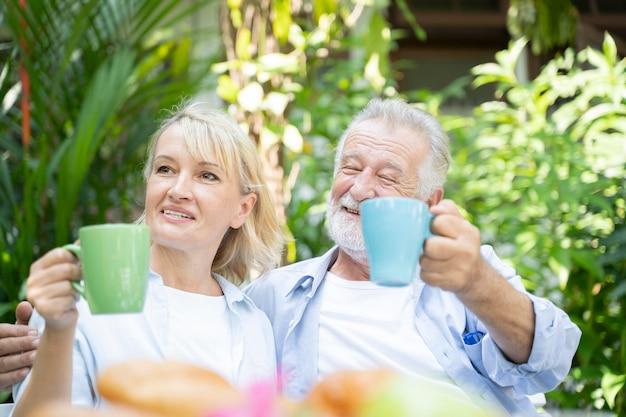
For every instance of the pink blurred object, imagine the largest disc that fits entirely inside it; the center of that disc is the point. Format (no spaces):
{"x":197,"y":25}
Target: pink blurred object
{"x":261,"y":401}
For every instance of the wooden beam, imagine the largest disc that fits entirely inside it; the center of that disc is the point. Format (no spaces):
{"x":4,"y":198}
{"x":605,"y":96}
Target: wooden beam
{"x":427,"y":20}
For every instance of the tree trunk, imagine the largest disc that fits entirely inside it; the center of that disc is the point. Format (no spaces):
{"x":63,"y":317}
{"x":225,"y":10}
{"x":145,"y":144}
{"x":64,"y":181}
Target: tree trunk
{"x":255,"y":19}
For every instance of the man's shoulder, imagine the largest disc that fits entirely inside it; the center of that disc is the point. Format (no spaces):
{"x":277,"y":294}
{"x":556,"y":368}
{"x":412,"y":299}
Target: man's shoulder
{"x":286,"y":277}
{"x":297,"y":267}
{"x":289,"y":273}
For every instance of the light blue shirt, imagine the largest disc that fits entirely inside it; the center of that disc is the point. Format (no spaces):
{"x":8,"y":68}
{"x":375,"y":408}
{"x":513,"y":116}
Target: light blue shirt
{"x":291,"y":298}
{"x":103,"y":340}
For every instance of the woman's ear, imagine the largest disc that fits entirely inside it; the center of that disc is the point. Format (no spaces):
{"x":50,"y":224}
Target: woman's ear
{"x":245,"y":208}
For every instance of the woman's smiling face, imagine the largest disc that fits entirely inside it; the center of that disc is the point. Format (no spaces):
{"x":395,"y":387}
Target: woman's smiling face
{"x":191,"y":203}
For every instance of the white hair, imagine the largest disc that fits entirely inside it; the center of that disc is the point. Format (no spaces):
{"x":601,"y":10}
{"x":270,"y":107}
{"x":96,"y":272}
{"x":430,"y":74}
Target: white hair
{"x":398,"y":113}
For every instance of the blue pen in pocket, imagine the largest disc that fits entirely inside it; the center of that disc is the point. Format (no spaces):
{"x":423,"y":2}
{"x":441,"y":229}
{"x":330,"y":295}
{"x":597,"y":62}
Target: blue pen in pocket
{"x":473,"y":338}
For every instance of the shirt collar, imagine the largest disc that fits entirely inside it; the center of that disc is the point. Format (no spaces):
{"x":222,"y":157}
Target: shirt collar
{"x":313,"y":272}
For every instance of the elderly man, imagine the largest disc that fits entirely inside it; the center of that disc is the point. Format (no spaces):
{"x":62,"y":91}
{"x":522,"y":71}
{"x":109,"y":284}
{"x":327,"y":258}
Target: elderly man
{"x":466,"y":324}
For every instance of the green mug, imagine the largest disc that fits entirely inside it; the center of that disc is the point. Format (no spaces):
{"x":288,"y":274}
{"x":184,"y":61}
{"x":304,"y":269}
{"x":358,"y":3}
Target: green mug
{"x":115,"y":260}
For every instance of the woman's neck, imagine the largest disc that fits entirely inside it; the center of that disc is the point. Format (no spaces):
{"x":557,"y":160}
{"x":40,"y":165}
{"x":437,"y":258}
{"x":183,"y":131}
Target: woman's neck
{"x":185,"y":271}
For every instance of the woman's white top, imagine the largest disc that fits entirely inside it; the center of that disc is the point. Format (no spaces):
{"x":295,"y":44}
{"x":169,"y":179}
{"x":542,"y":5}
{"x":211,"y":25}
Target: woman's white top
{"x":228,"y":335}
{"x":207,"y":346}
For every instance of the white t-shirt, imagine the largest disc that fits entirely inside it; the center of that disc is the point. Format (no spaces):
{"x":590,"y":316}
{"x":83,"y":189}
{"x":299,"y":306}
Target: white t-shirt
{"x":207,"y":346}
{"x":365,"y":326}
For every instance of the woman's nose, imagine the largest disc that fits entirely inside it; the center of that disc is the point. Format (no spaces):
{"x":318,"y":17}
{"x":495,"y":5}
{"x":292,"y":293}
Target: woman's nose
{"x":181,"y":188}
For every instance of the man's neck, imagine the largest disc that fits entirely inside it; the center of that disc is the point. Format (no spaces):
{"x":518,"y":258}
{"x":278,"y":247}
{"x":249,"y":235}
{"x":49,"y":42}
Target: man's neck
{"x":349,"y":268}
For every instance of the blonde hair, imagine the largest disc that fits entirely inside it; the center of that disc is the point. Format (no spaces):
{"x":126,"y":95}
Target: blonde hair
{"x":256,"y":245}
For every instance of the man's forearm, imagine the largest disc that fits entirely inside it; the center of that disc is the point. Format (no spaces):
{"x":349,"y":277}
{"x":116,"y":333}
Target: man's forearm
{"x":507,"y":313}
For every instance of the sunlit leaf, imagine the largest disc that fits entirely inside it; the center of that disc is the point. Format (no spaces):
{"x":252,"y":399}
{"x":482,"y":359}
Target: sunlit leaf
{"x":611,"y":385}
{"x":560,"y":262}
{"x":180,"y":58}
{"x":286,"y":63}
{"x":407,"y":13}
{"x":609,"y":48}
{"x":276,"y":103}
{"x":268,"y":137}
{"x":281,"y":19}
{"x":293,"y":139}
{"x":227,"y":89}
{"x":323,"y":7}
{"x":243,"y":44}
{"x":250,"y":98}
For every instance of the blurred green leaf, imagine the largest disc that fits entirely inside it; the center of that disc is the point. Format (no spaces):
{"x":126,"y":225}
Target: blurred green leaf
{"x":611,"y":385}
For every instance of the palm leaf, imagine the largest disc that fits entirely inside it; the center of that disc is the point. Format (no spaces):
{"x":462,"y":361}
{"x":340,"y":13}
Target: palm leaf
{"x":99,"y":71}
{"x":104,"y":98}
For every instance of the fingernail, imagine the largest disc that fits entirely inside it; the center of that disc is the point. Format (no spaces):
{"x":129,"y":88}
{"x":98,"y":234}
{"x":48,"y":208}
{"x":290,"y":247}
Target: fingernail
{"x":35,"y":343}
{"x":32,"y":333}
{"x":32,"y":355}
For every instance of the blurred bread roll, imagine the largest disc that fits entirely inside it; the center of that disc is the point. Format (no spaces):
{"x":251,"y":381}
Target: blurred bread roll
{"x":166,"y":388}
{"x":345,"y":393}
{"x":58,"y":409}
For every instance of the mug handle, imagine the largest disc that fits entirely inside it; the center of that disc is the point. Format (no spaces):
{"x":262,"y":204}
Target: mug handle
{"x":76,"y":250}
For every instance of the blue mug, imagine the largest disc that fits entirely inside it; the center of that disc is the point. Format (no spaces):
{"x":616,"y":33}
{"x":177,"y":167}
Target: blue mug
{"x":394,"y":230}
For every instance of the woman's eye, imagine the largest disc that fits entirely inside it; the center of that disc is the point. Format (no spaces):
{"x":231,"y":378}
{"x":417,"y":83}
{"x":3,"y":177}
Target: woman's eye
{"x":209,"y":176}
{"x":163,"y":169}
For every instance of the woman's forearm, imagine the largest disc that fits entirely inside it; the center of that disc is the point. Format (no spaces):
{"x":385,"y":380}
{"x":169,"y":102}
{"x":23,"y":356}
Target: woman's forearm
{"x":51,"y":376}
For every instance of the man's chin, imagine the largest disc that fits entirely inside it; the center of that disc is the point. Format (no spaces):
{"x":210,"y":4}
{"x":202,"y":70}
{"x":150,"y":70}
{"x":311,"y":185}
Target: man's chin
{"x":358,"y":255}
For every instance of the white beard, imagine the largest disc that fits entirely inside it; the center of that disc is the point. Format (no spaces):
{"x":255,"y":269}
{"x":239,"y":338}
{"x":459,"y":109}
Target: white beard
{"x":344,"y":231}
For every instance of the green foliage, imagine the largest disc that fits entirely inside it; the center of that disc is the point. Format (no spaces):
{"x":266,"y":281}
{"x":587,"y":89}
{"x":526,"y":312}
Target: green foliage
{"x":546,"y":163}
{"x":296,"y":88}
{"x":95,"y":75}
{"x":548,"y":24}
{"x":539,"y":169}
